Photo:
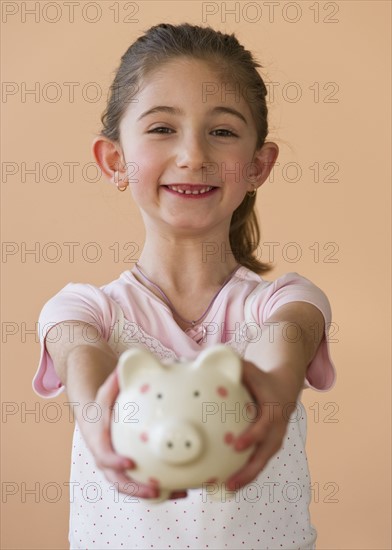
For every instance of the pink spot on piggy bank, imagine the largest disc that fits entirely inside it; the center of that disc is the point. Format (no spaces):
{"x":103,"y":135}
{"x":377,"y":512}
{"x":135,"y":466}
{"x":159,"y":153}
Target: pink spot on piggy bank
{"x":177,"y":420}
{"x":222,"y":391}
{"x":229,"y":438}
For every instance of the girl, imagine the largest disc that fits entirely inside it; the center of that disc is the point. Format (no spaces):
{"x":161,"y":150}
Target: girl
{"x":185,"y":129}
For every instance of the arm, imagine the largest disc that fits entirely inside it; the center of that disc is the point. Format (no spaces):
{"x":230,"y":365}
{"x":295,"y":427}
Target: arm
{"x":287,"y":357}
{"x":83,"y":361}
{"x":73,"y":349}
{"x":289,"y":341}
{"x":87,"y":368}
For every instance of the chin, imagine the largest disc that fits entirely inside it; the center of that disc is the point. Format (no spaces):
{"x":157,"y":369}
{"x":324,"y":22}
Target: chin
{"x":187,"y":225}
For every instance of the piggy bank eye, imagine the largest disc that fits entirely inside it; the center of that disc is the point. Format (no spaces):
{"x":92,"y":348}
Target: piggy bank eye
{"x":196,"y":393}
{"x":159,"y":396}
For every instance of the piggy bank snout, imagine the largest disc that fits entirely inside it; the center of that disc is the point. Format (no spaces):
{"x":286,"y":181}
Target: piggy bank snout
{"x":176,"y":441}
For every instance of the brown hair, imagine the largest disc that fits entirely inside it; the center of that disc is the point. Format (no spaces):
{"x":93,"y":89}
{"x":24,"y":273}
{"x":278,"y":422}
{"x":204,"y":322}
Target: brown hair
{"x":164,"y":42}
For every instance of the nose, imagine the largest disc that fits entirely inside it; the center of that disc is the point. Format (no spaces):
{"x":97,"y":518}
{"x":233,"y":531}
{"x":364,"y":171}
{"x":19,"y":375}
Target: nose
{"x":176,"y":442}
{"x":191,"y":153}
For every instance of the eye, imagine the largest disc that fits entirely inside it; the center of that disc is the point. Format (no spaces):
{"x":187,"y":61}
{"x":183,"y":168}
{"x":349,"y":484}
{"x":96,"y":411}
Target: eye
{"x":155,"y":130}
{"x":159,"y":396}
{"x":196,"y":393}
{"x":229,"y":133}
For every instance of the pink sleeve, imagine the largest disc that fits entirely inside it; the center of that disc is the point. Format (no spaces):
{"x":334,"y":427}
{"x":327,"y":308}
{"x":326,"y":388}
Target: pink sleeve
{"x":74,"y":302}
{"x":292,"y":287}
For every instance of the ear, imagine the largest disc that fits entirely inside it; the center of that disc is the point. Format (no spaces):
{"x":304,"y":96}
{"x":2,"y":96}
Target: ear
{"x":134,"y":361}
{"x":220,"y":359}
{"x":262,"y":163}
{"x":108,"y":156}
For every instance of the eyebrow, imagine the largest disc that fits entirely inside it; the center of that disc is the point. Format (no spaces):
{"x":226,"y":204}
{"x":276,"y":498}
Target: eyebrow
{"x":176,"y":111}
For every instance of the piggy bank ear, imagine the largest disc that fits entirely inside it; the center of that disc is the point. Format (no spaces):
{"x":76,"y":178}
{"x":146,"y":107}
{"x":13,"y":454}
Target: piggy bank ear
{"x":220,"y":359}
{"x":134,"y":361}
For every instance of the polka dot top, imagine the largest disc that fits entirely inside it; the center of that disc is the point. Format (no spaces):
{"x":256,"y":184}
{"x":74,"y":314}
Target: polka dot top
{"x":271,"y":512}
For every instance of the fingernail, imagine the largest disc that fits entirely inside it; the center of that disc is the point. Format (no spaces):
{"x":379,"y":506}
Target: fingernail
{"x":240,"y":444}
{"x":230,"y":485}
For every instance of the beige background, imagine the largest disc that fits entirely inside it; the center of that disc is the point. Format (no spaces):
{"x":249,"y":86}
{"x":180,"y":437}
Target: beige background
{"x":349,"y":427}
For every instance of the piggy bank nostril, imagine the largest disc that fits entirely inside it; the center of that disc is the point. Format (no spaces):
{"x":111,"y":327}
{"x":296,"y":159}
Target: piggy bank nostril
{"x":170,"y":445}
{"x":176,"y":442}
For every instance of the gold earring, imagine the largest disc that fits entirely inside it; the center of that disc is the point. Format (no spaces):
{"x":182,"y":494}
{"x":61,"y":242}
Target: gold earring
{"x":117,"y":184}
{"x":252,"y":193}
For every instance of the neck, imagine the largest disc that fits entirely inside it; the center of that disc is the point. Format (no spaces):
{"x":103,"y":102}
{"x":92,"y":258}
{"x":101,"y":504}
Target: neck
{"x":186,"y":267}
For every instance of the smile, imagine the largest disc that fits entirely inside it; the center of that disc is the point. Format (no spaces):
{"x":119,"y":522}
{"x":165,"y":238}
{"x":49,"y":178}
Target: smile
{"x":191,"y":190}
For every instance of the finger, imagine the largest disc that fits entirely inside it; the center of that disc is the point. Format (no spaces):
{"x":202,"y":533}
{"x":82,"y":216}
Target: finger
{"x":110,"y":459}
{"x":252,"y":375}
{"x":106,"y":396}
{"x":110,"y":388}
{"x":100,"y":444}
{"x":256,"y":464}
{"x":129,"y":486}
{"x":258,"y":412}
{"x":256,"y":433}
{"x":178,"y":494}
{"x":106,"y":458}
{"x":107,"y":393}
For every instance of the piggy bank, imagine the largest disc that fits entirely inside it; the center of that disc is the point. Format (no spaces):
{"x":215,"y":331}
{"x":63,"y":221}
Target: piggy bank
{"x":177,"y":420}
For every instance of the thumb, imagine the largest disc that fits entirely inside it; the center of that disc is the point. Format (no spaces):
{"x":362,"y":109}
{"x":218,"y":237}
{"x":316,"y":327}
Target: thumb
{"x":109,"y":390}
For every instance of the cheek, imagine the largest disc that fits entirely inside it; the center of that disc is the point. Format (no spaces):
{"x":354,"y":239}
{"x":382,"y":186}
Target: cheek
{"x":144,"y":167}
{"x":236,"y":171}
{"x":139,"y":190}
{"x":236,"y":187}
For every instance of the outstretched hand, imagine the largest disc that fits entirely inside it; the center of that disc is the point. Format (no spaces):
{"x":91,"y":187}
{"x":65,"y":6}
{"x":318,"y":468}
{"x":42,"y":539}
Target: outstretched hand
{"x":275,"y":394}
{"x":98,"y":438}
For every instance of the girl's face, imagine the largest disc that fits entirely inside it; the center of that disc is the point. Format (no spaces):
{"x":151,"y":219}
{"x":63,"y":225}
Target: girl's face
{"x":188,"y":127}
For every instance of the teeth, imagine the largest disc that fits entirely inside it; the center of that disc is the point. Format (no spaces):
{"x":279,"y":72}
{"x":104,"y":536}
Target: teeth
{"x":189,"y":192}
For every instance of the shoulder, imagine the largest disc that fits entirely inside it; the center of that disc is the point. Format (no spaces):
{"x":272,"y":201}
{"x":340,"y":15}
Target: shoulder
{"x":81,"y":296}
{"x":295,"y":283}
{"x":288,"y":282}
{"x":90,"y":289}
{"x":291,"y":277}
{"x":82,"y":291}
{"x":287,"y":288}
